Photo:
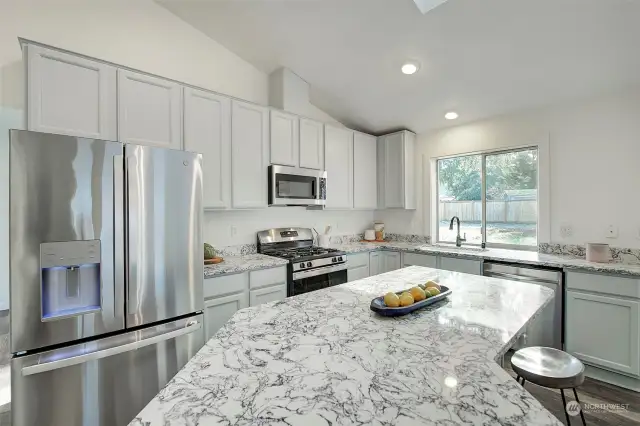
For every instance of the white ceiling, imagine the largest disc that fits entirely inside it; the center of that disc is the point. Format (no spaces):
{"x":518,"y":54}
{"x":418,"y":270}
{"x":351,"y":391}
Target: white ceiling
{"x":478,"y":57}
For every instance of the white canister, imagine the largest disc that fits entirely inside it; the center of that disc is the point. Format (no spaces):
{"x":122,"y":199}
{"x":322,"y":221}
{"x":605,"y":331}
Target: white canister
{"x":598,"y":252}
{"x":370,"y":235}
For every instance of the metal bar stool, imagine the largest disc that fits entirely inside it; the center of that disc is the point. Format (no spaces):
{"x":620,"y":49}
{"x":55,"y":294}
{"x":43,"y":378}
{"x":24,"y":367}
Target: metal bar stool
{"x":551,"y":368}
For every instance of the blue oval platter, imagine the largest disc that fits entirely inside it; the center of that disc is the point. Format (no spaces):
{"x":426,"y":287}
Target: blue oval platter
{"x":378,"y":306}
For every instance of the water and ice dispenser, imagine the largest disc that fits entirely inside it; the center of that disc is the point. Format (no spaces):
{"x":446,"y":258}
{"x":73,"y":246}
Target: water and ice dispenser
{"x":70,"y":279}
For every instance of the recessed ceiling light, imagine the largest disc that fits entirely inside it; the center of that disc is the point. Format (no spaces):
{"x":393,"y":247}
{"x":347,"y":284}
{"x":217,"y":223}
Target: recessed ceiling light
{"x":410,"y":68}
{"x":451,"y":115}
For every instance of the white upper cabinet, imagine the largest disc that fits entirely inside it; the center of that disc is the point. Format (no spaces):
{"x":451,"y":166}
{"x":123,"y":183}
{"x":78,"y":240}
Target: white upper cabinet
{"x":149,"y":110}
{"x":365,"y":186}
{"x":338,"y":157}
{"x":249,"y":155}
{"x":207,"y":130}
{"x":285,"y":139}
{"x":70,"y":95}
{"x":311,"y":144}
{"x":396,"y":171}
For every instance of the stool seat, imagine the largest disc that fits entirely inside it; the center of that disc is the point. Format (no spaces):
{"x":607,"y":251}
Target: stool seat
{"x":548,"y":367}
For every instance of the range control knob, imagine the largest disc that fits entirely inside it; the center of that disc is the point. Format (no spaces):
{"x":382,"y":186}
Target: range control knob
{"x":302,"y":265}
{"x":334,"y":260}
{"x":340,"y":259}
{"x":309,"y":264}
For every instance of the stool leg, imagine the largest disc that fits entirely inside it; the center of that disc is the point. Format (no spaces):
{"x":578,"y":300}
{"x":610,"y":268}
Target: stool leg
{"x":518,"y":379}
{"x":523,"y":380}
{"x":575,"y":393}
{"x":564,"y":407}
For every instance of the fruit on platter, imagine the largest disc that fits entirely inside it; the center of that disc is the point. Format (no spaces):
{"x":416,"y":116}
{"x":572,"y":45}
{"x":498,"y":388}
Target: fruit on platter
{"x":432,"y":284}
{"x":391,"y":300}
{"x":433,"y":291}
{"x":418,"y":294}
{"x":406,"y":299}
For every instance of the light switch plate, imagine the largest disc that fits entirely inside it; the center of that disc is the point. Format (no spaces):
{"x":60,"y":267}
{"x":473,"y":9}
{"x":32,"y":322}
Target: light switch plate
{"x":611,"y":231}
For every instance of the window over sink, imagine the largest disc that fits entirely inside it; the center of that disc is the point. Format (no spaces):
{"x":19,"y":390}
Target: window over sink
{"x":495,"y":196}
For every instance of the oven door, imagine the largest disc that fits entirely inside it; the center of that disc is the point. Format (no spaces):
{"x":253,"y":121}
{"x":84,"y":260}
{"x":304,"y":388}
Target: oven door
{"x":290,"y":186}
{"x":317,"y":279}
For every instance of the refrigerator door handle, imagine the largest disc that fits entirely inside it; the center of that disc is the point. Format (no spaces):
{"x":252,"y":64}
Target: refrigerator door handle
{"x":74,"y":360}
{"x":132,"y":229}
{"x":118,"y":228}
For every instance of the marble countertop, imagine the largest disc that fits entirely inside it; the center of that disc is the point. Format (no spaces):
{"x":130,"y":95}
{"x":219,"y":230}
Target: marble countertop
{"x":247,"y":262}
{"x":516,"y":256}
{"x":324,"y":357}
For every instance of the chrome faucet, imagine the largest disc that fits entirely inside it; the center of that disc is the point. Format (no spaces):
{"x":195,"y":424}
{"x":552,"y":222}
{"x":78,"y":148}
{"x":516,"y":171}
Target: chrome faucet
{"x":458,"y":239}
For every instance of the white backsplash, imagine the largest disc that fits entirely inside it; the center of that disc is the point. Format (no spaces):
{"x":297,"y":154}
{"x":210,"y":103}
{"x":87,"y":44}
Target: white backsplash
{"x":246,"y":223}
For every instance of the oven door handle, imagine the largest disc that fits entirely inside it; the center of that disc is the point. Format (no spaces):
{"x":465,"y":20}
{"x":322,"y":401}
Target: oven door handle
{"x":319,"y":271}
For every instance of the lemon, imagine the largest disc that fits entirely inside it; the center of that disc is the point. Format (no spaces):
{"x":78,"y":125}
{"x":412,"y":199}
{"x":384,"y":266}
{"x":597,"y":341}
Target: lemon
{"x":391,"y":300}
{"x":433,"y":291}
{"x":432,"y":284}
{"x":418,"y":294}
{"x":406,"y":299}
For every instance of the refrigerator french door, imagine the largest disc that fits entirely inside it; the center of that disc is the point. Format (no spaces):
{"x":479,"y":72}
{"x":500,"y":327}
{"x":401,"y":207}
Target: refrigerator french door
{"x":105,"y":276}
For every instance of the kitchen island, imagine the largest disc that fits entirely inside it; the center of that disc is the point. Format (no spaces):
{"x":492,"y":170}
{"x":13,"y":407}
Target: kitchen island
{"x":325,"y":358}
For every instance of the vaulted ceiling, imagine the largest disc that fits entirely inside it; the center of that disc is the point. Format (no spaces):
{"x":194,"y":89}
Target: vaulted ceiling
{"x":478,"y":58}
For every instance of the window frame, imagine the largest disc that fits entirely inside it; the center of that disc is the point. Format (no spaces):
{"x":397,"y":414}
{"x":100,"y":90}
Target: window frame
{"x":483,"y":183}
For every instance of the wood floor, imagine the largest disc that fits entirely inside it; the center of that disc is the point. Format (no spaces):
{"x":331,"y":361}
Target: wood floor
{"x":591,"y":392}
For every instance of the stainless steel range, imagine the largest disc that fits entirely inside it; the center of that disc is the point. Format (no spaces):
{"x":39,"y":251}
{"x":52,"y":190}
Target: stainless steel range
{"x":310,"y":267}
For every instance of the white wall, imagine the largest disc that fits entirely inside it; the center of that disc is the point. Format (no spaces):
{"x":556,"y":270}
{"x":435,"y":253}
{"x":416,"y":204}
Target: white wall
{"x":218,"y":224}
{"x":289,"y":92}
{"x":594,"y":149}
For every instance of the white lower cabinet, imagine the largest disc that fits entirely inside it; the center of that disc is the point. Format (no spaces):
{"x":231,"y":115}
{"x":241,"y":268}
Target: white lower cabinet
{"x":391,"y":261}
{"x":411,"y":259}
{"x":357,"y":273}
{"x":217,"y":311}
{"x":226,"y":294}
{"x":267,"y":294}
{"x":357,"y":266}
{"x":602,"y":330}
{"x":465,"y":266}
{"x":375,"y":267}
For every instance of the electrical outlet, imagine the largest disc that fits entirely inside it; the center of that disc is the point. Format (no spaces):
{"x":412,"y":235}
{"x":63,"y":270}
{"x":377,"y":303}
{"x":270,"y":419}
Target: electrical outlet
{"x":233,"y":231}
{"x":611,"y":231}
{"x":638,"y":233}
{"x":566,"y":230}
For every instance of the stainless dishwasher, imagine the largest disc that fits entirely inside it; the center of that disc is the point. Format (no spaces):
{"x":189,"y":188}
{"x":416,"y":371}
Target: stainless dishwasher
{"x":548,"y":328}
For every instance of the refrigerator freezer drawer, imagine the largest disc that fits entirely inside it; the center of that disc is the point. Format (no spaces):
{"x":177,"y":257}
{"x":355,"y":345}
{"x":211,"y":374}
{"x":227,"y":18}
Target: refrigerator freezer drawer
{"x":106,"y":382}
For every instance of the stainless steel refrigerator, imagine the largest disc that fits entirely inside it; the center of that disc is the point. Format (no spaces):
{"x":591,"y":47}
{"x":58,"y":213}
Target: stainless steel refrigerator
{"x":106,"y":276}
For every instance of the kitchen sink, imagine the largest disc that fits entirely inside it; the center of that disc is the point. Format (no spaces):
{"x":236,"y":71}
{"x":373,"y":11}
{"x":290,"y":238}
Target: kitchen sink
{"x":453,"y":247}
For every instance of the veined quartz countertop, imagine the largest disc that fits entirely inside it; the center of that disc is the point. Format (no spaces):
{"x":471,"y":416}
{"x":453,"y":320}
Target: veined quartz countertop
{"x":325,"y":357}
{"x":514,"y":256}
{"x":247,"y":262}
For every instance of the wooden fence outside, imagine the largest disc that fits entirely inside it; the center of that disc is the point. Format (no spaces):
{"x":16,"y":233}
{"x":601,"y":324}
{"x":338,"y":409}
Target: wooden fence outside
{"x":497,"y":211}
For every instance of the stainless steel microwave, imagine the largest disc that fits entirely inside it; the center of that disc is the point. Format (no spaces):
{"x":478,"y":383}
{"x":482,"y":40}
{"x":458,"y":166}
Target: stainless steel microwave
{"x":291,"y":186}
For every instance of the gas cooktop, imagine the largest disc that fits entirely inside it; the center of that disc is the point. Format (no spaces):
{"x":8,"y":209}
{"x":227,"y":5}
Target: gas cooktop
{"x":297,"y":253}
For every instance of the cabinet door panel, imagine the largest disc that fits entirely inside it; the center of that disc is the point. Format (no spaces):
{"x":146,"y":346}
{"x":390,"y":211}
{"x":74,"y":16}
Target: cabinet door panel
{"x":218,"y":311}
{"x":311,"y":144}
{"x":357,"y":273}
{"x":284,"y":139}
{"x":603,"y":331}
{"x":393,"y":171}
{"x":375,"y":268}
{"x":70,"y":95}
{"x":207,"y":130}
{"x":409,"y":259}
{"x":365,"y":186}
{"x":269,"y":294}
{"x":465,"y":266}
{"x":338,"y":159}
{"x":392,"y":261}
{"x":149,"y":110}
{"x":249,"y":155}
